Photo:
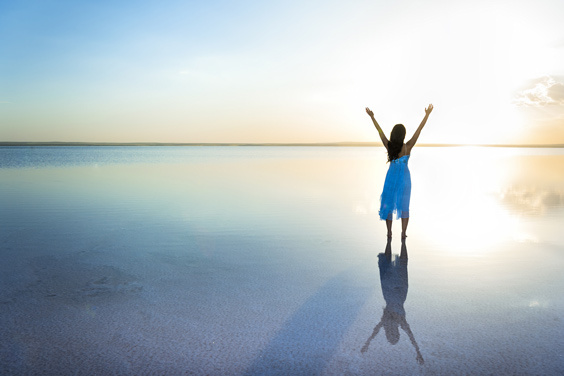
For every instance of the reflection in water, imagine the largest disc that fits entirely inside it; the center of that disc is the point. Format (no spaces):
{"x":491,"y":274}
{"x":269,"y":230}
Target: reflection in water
{"x":393,"y":278}
{"x":532,"y":200}
{"x":536,"y":184}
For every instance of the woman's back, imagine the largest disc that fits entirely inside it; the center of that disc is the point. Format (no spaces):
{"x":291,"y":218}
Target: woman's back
{"x":404,"y":151}
{"x":397,"y":186}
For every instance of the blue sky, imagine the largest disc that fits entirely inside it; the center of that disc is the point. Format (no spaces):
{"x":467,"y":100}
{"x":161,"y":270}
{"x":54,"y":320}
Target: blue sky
{"x":280,"y":71}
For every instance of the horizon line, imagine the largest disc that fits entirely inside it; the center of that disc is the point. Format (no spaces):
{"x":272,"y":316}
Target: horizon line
{"x":343,"y":143}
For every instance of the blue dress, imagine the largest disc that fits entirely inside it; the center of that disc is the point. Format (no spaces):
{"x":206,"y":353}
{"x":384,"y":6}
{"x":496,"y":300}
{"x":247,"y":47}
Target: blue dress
{"x":397,"y":190}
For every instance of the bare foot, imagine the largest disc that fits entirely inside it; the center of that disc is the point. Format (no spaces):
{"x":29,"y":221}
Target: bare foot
{"x":403,"y":235}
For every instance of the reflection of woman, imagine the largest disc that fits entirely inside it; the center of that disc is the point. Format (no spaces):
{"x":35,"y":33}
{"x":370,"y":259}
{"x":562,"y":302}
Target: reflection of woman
{"x":393,"y":278}
{"x":397,"y":186}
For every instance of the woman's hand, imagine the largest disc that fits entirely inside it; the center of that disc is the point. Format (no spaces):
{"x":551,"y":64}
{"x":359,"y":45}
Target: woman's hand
{"x":427,"y":110}
{"x":372,"y":113}
{"x":420,"y":358}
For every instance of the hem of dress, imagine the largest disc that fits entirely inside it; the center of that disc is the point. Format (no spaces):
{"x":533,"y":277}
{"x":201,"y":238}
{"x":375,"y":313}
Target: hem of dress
{"x":393,"y":214}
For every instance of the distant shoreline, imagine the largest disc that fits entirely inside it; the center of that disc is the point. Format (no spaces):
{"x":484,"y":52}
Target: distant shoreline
{"x":329,"y":144}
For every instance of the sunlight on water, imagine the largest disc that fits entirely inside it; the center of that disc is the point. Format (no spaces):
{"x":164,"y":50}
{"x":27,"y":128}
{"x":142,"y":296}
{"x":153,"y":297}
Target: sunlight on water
{"x":479,"y":197}
{"x":248,"y":255}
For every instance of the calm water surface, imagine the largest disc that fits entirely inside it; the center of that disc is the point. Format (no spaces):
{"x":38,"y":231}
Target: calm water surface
{"x":272,"y":260}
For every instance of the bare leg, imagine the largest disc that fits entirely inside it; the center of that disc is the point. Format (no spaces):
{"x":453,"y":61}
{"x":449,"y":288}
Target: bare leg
{"x":389,"y":226}
{"x":404,"y":222}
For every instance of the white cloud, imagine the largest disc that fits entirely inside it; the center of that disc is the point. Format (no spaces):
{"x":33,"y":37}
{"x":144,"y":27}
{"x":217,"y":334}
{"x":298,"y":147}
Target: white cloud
{"x":541,"y":92}
{"x":556,"y":92}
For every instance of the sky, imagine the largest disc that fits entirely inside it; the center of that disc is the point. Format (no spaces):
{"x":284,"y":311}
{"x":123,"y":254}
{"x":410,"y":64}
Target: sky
{"x":281,"y":71}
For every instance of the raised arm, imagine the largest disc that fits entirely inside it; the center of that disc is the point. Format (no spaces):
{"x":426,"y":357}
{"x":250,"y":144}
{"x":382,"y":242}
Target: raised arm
{"x":411,"y":143}
{"x":380,"y":132}
{"x":407,"y":329}
{"x":374,"y":333}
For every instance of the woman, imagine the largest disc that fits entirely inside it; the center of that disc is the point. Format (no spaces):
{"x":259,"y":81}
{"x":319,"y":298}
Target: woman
{"x":397,"y":186}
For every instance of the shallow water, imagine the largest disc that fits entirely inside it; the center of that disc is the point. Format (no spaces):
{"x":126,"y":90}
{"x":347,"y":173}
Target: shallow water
{"x":271,"y":260}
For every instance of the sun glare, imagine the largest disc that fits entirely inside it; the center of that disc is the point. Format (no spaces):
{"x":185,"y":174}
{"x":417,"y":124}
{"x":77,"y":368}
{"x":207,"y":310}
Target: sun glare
{"x":465,"y":211}
{"x":469,"y":66}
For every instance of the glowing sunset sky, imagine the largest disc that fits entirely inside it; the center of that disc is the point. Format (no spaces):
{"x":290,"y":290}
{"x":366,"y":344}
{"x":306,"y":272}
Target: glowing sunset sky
{"x":280,"y":71}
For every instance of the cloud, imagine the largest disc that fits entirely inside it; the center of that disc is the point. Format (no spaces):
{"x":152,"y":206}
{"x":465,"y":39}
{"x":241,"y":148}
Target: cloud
{"x":542,"y":91}
{"x":556,"y":92}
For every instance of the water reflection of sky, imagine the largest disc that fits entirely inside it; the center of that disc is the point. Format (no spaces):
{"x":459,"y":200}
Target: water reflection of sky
{"x":264,"y":187}
{"x":249,"y":256}
{"x":532,"y":200}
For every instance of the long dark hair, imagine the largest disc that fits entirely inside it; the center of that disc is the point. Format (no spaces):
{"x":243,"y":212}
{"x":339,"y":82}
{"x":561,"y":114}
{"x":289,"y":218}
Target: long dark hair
{"x":396,"y":142}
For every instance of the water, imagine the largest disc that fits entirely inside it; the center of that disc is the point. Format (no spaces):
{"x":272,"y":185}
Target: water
{"x":251,"y":260}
